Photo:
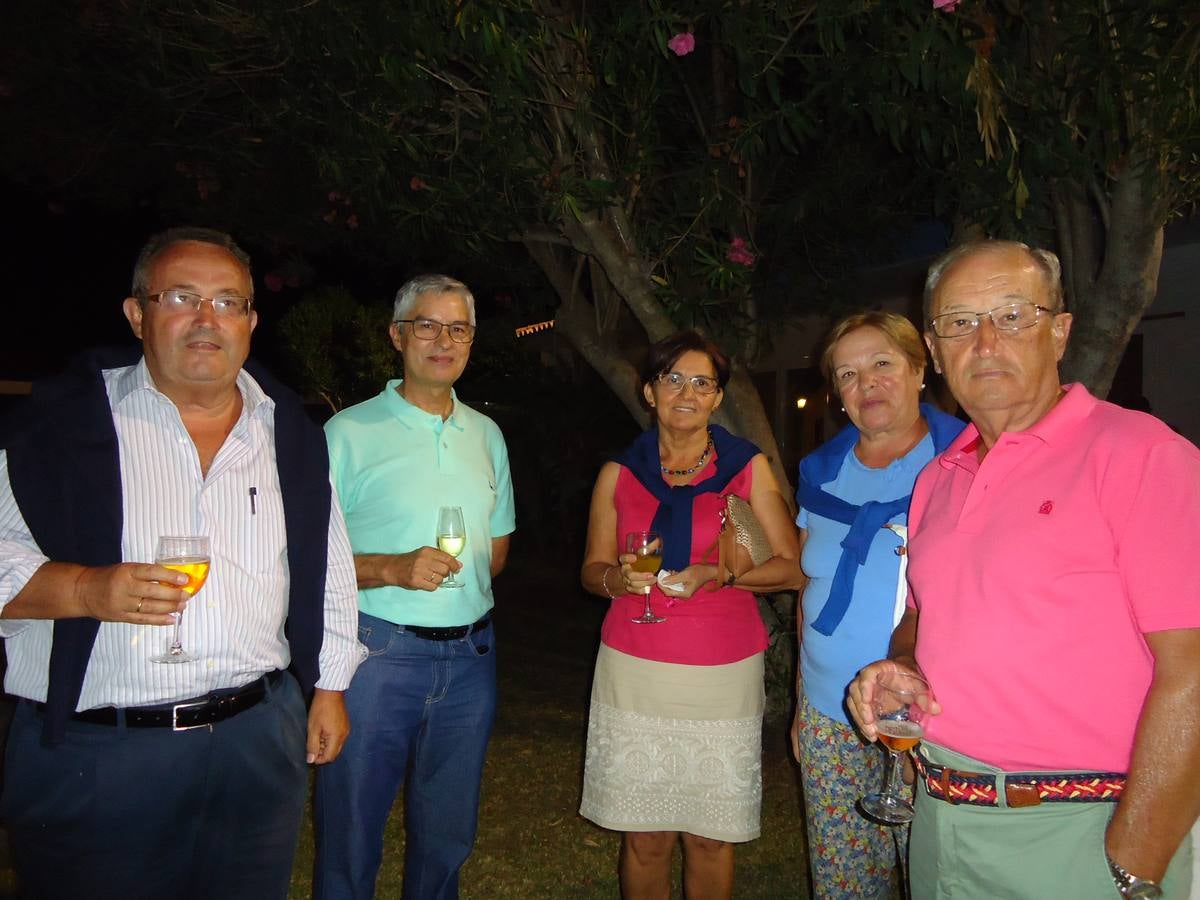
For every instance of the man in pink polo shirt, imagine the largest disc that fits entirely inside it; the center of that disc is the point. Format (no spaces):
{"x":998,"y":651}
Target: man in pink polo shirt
{"x":1054,"y":609}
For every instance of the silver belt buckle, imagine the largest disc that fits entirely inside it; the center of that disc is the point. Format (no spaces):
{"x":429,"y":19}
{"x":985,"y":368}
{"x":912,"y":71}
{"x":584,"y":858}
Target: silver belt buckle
{"x":175,"y":726}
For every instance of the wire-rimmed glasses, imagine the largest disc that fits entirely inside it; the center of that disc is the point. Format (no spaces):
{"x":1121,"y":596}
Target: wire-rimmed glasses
{"x":232,"y":306}
{"x":1010,"y":317}
{"x":701,"y":384}
{"x":431,"y":329}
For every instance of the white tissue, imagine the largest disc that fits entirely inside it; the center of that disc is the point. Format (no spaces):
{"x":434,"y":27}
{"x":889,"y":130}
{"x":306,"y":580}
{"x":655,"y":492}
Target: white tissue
{"x":663,"y":575}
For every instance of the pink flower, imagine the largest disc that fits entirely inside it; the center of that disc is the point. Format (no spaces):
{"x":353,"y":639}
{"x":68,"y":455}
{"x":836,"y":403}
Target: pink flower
{"x":274,"y":282}
{"x":682,"y":44}
{"x":945,"y":5}
{"x":739,"y":252}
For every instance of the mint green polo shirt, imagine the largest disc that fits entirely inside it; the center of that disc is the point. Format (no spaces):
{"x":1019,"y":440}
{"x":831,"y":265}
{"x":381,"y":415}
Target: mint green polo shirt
{"x":393,"y":466}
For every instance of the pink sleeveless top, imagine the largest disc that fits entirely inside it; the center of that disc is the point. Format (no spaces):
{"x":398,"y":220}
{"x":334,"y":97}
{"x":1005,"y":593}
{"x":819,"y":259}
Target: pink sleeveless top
{"x":710,"y":629}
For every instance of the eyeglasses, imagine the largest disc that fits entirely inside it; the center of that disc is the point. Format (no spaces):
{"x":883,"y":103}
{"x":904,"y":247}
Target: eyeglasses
{"x":430,"y":329}
{"x":175,"y":300}
{"x":701,"y":384}
{"x":1011,"y":317}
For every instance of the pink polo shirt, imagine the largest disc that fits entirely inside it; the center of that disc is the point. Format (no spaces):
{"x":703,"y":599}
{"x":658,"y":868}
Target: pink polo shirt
{"x":710,"y":629}
{"x":1037,"y":571}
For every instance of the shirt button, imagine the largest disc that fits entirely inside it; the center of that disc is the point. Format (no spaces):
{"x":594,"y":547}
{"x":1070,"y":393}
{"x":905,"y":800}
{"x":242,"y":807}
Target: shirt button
{"x":210,"y":663}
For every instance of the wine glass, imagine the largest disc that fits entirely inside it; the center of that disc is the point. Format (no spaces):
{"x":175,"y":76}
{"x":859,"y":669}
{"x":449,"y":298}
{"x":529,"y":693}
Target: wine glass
{"x":647,"y":546}
{"x":189,"y":555}
{"x":451,"y":538}
{"x":901,"y":699}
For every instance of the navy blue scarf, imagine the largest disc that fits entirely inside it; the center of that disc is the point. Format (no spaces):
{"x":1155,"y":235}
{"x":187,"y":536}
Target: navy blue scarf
{"x":821,"y":467}
{"x":64,"y":467}
{"x":673,"y":518}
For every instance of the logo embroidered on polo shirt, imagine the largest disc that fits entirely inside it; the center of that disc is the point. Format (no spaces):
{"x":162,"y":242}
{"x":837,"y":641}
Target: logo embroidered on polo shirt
{"x":1046,"y":508}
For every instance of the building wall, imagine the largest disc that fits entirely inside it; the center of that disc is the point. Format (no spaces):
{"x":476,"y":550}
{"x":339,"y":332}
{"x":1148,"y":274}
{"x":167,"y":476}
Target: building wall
{"x":1171,"y":344}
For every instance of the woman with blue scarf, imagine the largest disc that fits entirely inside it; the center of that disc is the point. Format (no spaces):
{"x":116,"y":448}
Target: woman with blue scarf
{"x":850,"y":489}
{"x":675,"y":725}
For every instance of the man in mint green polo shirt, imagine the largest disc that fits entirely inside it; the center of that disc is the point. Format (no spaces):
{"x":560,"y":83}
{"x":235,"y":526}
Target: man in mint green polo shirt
{"x":421,"y":706}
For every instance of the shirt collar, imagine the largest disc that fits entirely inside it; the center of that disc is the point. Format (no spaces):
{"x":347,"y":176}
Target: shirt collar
{"x":415,"y":417}
{"x":133,"y":379}
{"x":1061,"y":419}
{"x":1059,"y":422}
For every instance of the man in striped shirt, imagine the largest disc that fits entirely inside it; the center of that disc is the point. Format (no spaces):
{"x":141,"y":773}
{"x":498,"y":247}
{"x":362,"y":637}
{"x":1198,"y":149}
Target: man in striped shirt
{"x":126,"y":777}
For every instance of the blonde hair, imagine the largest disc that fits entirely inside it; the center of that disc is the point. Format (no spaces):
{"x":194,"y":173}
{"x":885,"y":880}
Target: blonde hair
{"x":901,"y":332}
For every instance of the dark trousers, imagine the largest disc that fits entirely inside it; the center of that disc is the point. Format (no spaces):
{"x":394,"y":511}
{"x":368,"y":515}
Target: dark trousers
{"x":146,"y":812}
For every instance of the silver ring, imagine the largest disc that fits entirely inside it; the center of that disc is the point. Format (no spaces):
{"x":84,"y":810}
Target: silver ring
{"x":431,"y":578}
{"x":139,"y":606}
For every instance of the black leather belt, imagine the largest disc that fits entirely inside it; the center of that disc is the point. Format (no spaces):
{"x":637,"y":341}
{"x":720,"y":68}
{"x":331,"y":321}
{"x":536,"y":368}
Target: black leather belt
{"x":450,"y":633}
{"x":216,"y":707}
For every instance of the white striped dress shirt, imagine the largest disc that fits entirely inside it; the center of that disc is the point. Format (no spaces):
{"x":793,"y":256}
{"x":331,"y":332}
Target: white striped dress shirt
{"x":234,"y":624}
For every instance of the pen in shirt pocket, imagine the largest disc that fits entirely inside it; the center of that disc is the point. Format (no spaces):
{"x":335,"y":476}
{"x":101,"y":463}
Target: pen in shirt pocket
{"x":253,"y":507}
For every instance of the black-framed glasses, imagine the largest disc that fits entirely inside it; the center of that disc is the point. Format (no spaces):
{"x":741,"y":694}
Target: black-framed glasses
{"x":701,"y":384}
{"x":174,"y":300}
{"x":1010,"y":317}
{"x":429,"y":329}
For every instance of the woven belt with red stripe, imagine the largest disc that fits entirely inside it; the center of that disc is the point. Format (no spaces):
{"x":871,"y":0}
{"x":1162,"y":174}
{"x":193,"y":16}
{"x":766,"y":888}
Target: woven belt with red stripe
{"x":1020,"y":788}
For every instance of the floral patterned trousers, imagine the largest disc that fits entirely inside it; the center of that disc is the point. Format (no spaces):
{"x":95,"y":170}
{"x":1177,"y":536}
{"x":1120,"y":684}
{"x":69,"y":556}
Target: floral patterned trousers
{"x":849,"y":855}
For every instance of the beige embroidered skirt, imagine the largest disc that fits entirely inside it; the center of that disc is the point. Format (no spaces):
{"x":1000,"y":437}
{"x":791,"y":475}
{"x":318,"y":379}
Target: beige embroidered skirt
{"x":675,"y":748}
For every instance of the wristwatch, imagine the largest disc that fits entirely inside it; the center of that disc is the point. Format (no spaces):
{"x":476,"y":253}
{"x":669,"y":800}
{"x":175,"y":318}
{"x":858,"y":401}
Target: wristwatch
{"x":1130,"y":885}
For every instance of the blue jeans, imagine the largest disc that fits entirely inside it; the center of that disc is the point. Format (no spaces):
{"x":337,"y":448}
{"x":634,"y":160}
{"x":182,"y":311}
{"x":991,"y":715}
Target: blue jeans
{"x":421,"y":713}
{"x":131,"y":813}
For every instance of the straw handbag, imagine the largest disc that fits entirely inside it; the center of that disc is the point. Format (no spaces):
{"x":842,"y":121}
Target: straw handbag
{"x":742,"y":543}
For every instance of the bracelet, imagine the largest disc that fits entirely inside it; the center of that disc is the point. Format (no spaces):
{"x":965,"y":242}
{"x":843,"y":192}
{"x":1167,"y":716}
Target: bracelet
{"x":604,"y":582}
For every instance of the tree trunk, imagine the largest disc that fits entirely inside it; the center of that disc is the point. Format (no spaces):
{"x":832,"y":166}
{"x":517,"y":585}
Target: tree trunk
{"x":741,"y":411}
{"x":574,"y":322}
{"x":1108,"y":307}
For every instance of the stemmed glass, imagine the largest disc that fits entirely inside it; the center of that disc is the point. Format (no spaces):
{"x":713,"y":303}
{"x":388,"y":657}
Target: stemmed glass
{"x":189,"y":555}
{"x":451,"y":538}
{"x":647,"y":546}
{"x":901,"y":699}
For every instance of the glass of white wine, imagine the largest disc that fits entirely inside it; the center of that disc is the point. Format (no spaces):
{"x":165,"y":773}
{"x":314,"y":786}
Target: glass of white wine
{"x":647,"y":546}
{"x":901,"y":699}
{"x":451,"y":538}
{"x":189,"y":555}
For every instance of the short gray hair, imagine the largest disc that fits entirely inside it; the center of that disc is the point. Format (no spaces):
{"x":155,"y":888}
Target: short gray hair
{"x":411,"y":290}
{"x":1047,"y":263}
{"x":172,"y":236}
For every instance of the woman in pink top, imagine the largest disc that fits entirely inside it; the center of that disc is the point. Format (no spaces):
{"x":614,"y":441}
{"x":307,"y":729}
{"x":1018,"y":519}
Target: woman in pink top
{"x":675,"y":729}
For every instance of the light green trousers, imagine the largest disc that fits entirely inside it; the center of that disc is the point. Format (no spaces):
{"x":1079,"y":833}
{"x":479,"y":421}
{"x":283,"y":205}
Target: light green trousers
{"x":1054,"y":851}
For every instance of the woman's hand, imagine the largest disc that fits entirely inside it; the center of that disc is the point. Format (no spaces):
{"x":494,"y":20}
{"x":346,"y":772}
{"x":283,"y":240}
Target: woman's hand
{"x":634,"y":582}
{"x":682,"y":585}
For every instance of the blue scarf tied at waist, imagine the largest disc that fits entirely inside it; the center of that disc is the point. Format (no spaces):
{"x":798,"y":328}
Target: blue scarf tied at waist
{"x":865,"y":521}
{"x":673,"y":518}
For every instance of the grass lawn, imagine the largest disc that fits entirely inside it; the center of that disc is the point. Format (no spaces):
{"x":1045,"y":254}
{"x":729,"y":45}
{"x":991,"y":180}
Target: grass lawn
{"x":532,"y":842}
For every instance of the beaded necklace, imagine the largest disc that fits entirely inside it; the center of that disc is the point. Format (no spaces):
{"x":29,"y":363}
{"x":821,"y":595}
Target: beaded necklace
{"x":699,"y":463}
